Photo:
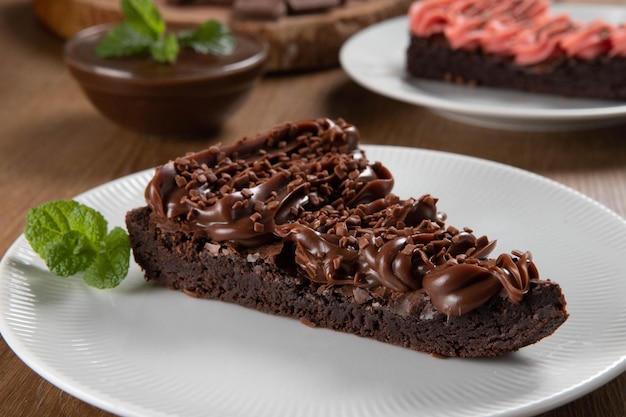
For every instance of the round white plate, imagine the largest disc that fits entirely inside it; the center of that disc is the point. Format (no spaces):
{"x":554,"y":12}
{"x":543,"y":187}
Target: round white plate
{"x":141,"y":350}
{"x":375,"y":59}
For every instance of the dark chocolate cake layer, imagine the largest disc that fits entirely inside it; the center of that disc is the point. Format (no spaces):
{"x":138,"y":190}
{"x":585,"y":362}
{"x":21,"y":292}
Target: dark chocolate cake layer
{"x":433,"y":58}
{"x":267,"y":280}
{"x":298,"y":222}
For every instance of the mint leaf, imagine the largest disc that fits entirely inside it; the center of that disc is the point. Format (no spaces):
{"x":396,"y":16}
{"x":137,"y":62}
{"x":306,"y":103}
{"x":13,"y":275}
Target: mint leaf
{"x":123,"y":40}
{"x":144,"y":17}
{"x":110,"y":266}
{"x":62,"y":233}
{"x":88,"y":222}
{"x":47,"y":224}
{"x":211,"y":37}
{"x":166,"y":49}
{"x":71,"y":238}
{"x":72,"y":253}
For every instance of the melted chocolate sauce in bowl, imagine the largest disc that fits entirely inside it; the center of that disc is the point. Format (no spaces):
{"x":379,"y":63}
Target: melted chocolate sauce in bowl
{"x":191,"y":97}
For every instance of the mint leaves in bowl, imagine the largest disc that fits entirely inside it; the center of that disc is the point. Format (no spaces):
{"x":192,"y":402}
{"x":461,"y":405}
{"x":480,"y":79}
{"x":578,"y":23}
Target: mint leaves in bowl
{"x":165,"y":81}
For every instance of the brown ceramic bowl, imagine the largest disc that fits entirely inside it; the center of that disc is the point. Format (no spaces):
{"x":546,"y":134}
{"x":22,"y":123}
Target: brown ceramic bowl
{"x":192,"y":97}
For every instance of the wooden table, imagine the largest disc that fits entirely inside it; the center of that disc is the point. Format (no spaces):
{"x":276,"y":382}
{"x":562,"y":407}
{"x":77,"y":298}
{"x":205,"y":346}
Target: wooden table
{"x":53,"y":144}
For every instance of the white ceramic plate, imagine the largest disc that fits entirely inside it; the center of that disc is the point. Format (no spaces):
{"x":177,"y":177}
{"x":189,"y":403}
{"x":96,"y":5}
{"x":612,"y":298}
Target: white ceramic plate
{"x":141,"y":350}
{"x":375,"y":59}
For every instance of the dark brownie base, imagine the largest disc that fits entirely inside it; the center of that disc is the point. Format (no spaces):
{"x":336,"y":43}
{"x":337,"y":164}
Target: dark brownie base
{"x":601,"y":78}
{"x":267,"y":280}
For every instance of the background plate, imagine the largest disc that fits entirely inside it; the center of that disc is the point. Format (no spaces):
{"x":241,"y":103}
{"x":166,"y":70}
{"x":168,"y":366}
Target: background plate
{"x":375,"y":59}
{"x":141,"y":350}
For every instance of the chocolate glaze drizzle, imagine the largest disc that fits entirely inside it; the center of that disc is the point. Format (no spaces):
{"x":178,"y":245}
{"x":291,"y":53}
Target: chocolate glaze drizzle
{"x":309,"y":185}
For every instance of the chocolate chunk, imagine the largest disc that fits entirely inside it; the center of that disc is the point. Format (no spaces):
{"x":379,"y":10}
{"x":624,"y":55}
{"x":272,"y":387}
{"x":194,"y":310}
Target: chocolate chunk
{"x":260,"y":9}
{"x":304,"y":6}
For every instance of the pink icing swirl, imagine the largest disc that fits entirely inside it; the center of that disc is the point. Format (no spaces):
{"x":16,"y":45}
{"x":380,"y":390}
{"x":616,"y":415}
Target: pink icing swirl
{"x":525,"y":30}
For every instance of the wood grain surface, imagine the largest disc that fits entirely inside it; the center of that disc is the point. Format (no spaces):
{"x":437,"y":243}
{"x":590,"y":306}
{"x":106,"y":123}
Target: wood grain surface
{"x":54,"y":144}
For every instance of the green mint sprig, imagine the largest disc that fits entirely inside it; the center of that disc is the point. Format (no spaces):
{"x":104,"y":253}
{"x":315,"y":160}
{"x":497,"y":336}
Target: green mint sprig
{"x":72,"y":237}
{"x":144,"y":31}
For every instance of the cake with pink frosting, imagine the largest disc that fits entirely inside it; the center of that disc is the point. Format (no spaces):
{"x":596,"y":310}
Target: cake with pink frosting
{"x":517,"y":44}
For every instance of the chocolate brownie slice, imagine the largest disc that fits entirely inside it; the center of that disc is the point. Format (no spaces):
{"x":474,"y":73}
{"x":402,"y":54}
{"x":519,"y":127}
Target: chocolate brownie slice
{"x":297,"y":222}
{"x":433,"y":58}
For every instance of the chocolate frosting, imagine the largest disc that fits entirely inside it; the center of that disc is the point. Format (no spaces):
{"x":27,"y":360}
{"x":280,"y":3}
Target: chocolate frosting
{"x":311,"y":186}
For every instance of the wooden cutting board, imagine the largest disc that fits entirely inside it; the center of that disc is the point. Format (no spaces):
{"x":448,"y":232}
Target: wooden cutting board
{"x":309,"y":41}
